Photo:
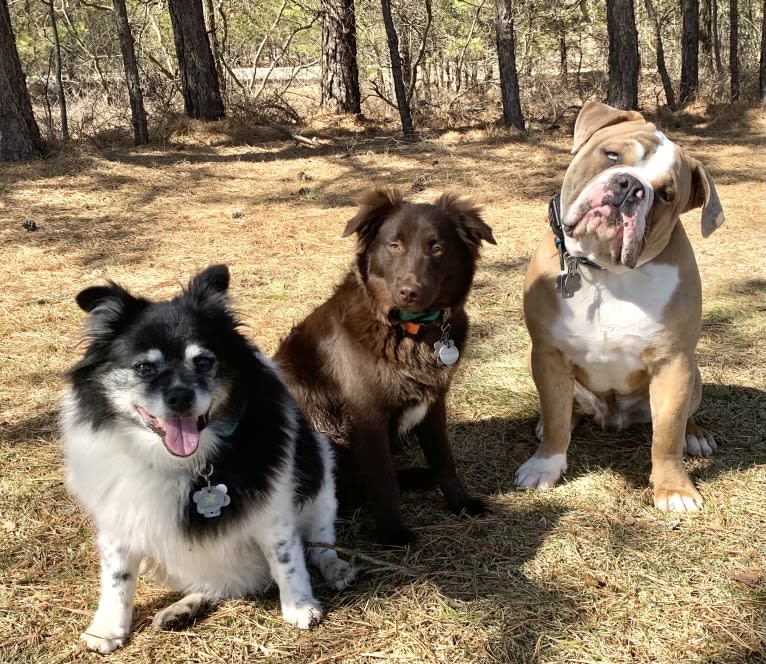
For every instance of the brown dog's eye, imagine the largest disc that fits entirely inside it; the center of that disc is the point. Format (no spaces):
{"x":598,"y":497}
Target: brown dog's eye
{"x":437,"y":250}
{"x":395,"y":247}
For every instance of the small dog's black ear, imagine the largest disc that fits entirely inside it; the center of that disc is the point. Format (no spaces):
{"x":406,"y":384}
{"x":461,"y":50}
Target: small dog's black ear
{"x":374,"y":207}
{"x":110,"y":307}
{"x":468,"y":221}
{"x":213,"y":282}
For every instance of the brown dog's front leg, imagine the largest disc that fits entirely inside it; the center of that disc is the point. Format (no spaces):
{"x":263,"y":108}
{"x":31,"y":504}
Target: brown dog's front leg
{"x":670,"y":393}
{"x":372,"y":453}
{"x":432,"y":435}
{"x":554,"y":380}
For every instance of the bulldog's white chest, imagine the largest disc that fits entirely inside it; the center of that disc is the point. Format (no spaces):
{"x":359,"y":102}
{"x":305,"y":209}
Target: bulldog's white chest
{"x":607,"y":325}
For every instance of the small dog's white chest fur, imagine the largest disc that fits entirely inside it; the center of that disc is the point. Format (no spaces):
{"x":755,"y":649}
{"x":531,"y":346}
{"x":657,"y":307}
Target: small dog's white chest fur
{"x":606,"y":326}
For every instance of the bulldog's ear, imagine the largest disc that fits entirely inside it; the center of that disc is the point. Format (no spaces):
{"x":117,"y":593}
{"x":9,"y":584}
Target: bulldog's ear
{"x":704,"y":195}
{"x":374,"y":207}
{"x":594,"y":116}
{"x":470,"y":226}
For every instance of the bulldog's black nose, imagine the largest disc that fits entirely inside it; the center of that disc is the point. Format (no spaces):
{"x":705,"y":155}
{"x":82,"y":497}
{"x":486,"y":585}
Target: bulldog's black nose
{"x":630,"y":190}
{"x":179,"y":399}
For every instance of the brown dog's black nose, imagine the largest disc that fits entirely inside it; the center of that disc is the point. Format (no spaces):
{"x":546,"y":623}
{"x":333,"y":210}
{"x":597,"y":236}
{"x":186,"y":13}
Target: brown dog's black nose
{"x":179,"y":399}
{"x":408,"y":293}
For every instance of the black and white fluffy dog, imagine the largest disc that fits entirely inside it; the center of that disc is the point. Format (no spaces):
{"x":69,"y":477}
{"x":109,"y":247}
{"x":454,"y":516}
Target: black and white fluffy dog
{"x":185,"y":447}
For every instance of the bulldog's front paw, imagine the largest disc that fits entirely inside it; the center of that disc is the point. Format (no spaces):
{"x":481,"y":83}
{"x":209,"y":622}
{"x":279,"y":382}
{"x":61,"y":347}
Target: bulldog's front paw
{"x":102,"y":639}
{"x":303,"y":616}
{"x":686,"y":499}
{"x":540,"y":472}
{"x":698,"y":441}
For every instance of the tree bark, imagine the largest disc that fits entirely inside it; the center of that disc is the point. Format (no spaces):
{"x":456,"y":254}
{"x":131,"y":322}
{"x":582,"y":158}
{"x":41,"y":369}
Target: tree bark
{"x":340,"y":73}
{"x":19,"y":133}
{"x":734,"y":49}
{"x":396,"y":69}
{"x":212,"y":30}
{"x":196,"y":66}
{"x":505,"y":39}
{"x":662,"y":69}
{"x":137,"y":112}
{"x":57,"y":71}
{"x":716,"y":39}
{"x":689,"y":52}
{"x":762,"y":77}
{"x":623,"y":54}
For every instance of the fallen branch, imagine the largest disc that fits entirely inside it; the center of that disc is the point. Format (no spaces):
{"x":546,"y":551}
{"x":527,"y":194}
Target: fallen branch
{"x":356,"y":555}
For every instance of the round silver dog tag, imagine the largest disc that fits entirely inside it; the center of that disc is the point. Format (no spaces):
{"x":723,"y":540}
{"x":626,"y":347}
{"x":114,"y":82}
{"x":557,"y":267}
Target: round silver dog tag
{"x":448,"y":354}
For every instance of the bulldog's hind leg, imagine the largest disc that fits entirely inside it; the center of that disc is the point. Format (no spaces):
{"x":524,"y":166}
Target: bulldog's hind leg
{"x":698,"y":441}
{"x":554,"y":380}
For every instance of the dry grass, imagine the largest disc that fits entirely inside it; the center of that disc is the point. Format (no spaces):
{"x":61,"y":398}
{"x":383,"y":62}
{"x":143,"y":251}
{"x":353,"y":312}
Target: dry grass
{"x":587,"y":572}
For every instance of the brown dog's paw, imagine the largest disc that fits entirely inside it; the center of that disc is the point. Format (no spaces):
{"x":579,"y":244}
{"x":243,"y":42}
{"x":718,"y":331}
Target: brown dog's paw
{"x":395,"y":536}
{"x":687,"y":499}
{"x":470,"y":506}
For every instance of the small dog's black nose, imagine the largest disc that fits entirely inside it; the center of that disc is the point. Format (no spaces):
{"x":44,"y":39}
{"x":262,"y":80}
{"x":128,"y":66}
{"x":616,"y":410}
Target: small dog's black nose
{"x":179,"y":398}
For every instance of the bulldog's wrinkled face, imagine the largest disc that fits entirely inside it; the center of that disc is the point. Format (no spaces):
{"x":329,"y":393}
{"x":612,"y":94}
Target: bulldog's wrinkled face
{"x":623,"y":194}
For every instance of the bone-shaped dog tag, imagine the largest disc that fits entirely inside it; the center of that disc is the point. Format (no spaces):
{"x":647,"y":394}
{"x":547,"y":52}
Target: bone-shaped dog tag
{"x":572,"y":283}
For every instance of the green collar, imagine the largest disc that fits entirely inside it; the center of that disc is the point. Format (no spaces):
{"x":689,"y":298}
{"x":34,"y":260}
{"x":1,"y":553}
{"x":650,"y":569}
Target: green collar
{"x":407,"y":317}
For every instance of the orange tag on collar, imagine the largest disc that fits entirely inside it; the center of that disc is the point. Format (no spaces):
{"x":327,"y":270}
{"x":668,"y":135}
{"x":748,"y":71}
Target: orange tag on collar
{"x":411,"y":328}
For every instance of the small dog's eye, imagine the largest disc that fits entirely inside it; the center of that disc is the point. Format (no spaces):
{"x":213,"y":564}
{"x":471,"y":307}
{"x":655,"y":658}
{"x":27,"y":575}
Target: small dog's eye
{"x":145,"y":369}
{"x":612,"y":156}
{"x":203,"y":364}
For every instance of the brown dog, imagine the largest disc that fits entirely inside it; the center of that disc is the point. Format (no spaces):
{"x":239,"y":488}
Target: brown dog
{"x":365,"y":366}
{"x":615,"y":314}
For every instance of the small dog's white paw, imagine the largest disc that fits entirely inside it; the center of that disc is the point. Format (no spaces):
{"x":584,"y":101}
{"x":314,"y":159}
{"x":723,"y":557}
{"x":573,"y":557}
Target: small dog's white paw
{"x":338,"y":573}
{"x":699,"y":443}
{"x":540,"y":472}
{"x":93,"y":639}
{"x":303,"y":616}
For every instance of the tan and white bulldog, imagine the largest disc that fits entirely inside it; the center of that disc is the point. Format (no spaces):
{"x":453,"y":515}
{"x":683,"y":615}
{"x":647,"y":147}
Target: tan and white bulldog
{"x":615,"y":329}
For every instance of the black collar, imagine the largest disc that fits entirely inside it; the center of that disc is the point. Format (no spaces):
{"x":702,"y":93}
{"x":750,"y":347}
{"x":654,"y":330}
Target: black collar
{"x":554,"y":216}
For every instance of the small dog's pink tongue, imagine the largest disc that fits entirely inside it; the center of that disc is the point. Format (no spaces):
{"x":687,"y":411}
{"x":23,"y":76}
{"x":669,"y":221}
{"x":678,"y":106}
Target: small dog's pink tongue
{"x":181,"y":435}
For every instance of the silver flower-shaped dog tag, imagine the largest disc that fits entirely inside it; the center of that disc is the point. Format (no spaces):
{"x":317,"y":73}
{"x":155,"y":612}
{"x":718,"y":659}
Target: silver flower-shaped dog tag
{"x":211,"y":499}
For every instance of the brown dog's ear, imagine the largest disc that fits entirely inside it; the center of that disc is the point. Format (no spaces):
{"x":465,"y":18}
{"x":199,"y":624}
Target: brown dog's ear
{"x":470,"y":226}
{"x":374,"y":207}
{"x":704,"y":195}
{"x":594,"y":116}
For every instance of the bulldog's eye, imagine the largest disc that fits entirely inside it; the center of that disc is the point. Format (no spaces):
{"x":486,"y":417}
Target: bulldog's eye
{"x":666,"y":195}
{"x":203,"y":363}
{"x":614,"y":157}
{"x":145,"y":369}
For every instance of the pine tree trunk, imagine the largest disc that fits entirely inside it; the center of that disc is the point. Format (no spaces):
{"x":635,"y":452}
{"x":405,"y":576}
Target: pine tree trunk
{"x":20,"y":135}
{"x":506,"y":59}
{"x":734,"y":49}
{"x":762,"y":77}
{"x":57,"y":71}
{"x":716,"y":39}
{"x":396,"y":69}
{"x":212,"y":30}
{"x":623,"y":54}
{"x":662,"y":69}
{"x":340,"y":73}
{"x":706,"y":34}
{"x":689,"y":52}
{"x":199,"y":78}
{"x":137,"y":112}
